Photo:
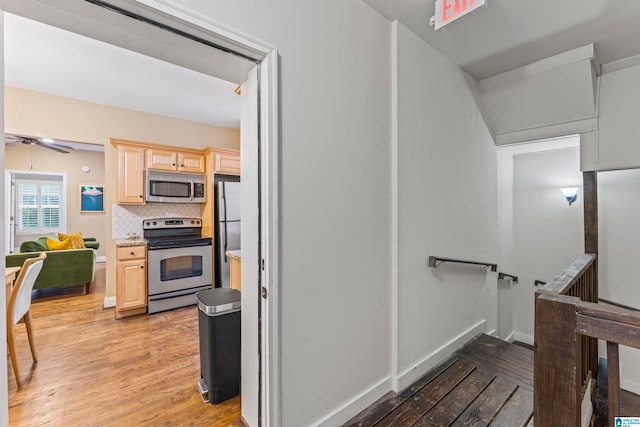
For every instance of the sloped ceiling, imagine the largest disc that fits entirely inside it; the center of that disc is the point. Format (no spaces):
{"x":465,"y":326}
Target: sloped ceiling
{"x":507,"y":34}
{"x":522,"y":53}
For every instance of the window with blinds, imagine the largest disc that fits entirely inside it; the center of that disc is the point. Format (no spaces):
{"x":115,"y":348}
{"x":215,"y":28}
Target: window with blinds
{"x":38,"y":205}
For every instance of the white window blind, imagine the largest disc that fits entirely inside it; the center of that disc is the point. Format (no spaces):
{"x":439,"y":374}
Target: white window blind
{"x":38,"y":205}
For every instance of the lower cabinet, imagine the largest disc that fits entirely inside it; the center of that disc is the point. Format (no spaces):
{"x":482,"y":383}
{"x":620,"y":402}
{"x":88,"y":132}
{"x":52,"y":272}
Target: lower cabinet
{"x":131,"y":280}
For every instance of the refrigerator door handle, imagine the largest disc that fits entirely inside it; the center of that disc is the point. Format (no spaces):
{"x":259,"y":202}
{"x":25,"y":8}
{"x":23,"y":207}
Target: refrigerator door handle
{"x":223,"y":204}
{"x":224,"y":245}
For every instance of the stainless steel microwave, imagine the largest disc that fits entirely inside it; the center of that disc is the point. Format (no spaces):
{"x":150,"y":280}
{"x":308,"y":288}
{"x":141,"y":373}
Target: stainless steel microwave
{"x":175,"y":187}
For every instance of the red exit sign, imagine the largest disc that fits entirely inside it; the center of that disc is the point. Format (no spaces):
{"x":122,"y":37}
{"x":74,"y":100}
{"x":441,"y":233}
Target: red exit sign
{"x":448,"y":11}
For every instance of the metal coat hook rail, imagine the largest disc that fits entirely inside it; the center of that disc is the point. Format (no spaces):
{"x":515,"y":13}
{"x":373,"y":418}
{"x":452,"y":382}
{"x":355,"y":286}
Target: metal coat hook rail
{"x":435,"y":262}
{"x":502,"y":276}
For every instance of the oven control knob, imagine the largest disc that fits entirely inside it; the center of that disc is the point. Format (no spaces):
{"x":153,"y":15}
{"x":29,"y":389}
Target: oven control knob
{"x":198,"y":222}
{"x":146,"y":223}
{"x":154,"y":223}
{"x":193,"y":222}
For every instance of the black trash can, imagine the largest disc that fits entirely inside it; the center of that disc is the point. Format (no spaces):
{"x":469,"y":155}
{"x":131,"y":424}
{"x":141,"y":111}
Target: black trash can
{"x":219,"y":328}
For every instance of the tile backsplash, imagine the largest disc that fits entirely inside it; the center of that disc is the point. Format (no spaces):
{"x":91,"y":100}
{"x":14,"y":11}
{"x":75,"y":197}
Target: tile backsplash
{"x":127,"y":219}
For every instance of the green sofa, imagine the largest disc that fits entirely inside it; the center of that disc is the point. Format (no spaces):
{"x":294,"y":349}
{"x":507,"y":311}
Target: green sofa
{"x":62,"y":267}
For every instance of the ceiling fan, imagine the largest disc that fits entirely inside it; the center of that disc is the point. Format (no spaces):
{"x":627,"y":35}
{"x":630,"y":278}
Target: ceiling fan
{"x":13,"y":140}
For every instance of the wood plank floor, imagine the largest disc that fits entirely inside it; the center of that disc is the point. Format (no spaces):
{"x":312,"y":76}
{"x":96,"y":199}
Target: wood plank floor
{"x":487,"y":382}
{"x":94,"y":370}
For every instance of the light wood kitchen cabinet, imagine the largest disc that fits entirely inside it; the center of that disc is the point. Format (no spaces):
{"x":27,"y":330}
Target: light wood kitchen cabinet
{"x":170,"y":160}
{"x":131,"y":280}
{"x":130,"y":174}
{"x":235,"y":269}
{"x":224,"y":161}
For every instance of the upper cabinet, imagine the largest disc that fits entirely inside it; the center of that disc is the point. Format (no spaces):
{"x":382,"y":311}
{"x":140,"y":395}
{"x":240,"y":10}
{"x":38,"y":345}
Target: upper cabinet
{"x":136,"y":157}
{"x":225,"y":161}
{"x":171,"y":160}
{"x":130,"y":174}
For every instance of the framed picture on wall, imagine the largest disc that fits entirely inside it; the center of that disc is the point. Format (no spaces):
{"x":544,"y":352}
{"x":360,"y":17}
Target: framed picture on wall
{"x":91,"y":198}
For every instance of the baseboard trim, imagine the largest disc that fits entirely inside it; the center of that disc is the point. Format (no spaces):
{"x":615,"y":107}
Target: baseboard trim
{"x":527,"y":339}
{"x":243,"y":422}
{"x":511,"y":337}
{"x":409,"y":376}
{"x":101,"y":259}
{"x":356,"y":405}
{"x":630,"y":386}
{"x":109,"y":302}
{"x":365,"y":399}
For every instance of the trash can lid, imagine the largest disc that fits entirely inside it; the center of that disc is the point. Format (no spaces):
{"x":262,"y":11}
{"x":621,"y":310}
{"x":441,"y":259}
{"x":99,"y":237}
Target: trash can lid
{"x":217,"y":301}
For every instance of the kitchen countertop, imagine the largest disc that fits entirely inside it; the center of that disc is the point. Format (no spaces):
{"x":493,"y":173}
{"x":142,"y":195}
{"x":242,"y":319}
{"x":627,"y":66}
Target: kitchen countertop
{"x":130,"y":242}
{"x":234,"y":254}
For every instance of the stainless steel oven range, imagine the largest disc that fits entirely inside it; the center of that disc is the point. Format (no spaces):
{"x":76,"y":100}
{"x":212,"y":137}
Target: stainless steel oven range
{"x":179,"y":262}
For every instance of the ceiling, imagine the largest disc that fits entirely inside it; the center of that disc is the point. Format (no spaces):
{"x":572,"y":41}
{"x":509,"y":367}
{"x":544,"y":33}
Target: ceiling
{"x":506,"y":34}
{"x":47,"y":59}
{"x":500,"y":36}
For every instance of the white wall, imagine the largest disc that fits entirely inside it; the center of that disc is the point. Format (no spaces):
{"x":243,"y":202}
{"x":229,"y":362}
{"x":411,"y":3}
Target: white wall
{"x":619,"y":252}
{"x":506,"y":260}
{"x":618,"y":126}
{"x":548,"y":233}
{"x":334,"y":111}
{"x":446,"y":190}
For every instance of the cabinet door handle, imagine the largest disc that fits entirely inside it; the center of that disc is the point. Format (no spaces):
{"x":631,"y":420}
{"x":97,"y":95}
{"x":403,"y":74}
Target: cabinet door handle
{"x":142,"y":266}
{"x":132,"y":253}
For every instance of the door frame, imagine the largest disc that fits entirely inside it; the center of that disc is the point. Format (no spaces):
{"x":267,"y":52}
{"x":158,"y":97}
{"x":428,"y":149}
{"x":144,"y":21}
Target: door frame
{"x":73,"y":15}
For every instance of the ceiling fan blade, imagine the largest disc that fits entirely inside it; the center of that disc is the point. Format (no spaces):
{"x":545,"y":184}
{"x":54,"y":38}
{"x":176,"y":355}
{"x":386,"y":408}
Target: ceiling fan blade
{"x":51,"y":147}
{"x":64,"y":147}
{"x":14,"y":139}
{"x":10,"y":139}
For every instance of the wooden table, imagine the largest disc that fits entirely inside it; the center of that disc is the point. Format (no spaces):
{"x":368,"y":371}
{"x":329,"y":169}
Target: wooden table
{"x":10,"y":276}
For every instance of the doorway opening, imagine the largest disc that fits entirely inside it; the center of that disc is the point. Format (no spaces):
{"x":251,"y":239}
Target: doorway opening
{"x":539,"y":232}
{"x":227,"y":55}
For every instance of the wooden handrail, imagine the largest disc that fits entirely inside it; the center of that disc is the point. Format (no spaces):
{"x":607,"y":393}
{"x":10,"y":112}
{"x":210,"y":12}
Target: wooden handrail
{"x":563,"y":358}
{"x":564,"y":281}
{"x":617,"y":304}
{"x":616,"y":325}
{"x":559,"y":354}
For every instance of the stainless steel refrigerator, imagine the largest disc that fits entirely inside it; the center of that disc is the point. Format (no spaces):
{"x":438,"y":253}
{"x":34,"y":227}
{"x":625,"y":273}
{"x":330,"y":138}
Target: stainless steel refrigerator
{"x":227,"y":232}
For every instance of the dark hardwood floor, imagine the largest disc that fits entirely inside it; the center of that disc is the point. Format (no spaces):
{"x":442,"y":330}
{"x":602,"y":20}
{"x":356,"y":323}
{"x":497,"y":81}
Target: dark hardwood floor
{"x":487,"y":382}
{"x":97,"y":371}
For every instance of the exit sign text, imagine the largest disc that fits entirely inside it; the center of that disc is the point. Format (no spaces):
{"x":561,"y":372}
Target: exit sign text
{"x":448,"y":11}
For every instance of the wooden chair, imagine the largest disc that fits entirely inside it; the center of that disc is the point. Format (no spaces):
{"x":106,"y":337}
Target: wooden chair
{"x":19,"y":307}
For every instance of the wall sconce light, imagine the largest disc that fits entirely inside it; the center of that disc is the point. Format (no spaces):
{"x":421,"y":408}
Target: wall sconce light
{"x":570,"y":193}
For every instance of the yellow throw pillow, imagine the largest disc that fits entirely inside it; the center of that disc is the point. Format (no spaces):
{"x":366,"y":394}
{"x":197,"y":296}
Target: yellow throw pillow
{"x":76,"y":239}
{"x":56,"y":245}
